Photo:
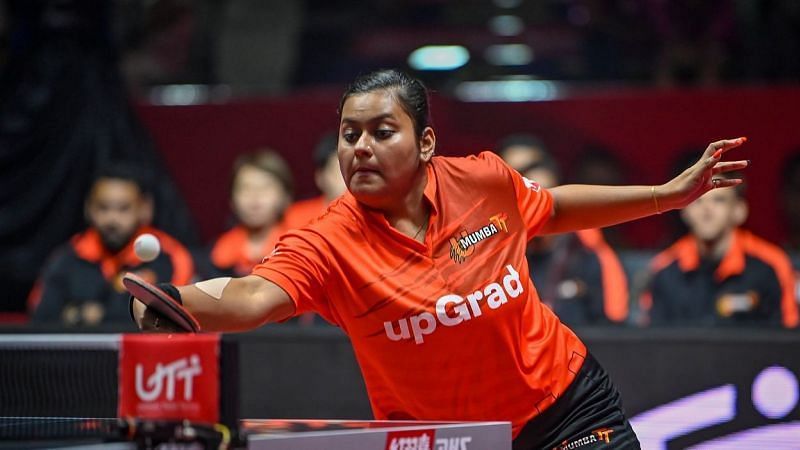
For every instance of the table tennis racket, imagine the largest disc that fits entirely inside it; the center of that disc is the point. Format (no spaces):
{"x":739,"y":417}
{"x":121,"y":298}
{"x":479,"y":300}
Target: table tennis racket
{"x":160,"y":302}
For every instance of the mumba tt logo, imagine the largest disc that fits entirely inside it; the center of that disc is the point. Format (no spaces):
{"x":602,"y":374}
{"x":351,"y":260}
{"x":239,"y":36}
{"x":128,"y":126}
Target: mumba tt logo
{"x":166,"y":377}
{"x":463,"y":245}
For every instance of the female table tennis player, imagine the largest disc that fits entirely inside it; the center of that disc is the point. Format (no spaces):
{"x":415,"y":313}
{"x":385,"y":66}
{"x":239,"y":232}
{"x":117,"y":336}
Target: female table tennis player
{"x":422,"y":263}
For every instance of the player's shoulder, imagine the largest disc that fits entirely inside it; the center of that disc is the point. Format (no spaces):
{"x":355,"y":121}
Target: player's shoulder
{"x":484,"y":167}
{"x":483,"y":160}
{"x":341,"y":217}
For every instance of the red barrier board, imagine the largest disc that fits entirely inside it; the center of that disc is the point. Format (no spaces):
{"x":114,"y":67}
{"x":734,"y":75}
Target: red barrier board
{"x":169,"y":377}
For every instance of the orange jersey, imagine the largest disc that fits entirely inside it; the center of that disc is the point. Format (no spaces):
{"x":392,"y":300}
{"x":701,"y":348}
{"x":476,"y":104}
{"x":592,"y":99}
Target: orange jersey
{"x":230,"y":250}
{"x":451,"y":329}
{"x":300,"y":213}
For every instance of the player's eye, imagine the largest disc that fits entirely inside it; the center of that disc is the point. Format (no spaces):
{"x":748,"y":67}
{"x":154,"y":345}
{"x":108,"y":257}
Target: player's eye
{"x":384,"y":134}
{"x":350,"y":137}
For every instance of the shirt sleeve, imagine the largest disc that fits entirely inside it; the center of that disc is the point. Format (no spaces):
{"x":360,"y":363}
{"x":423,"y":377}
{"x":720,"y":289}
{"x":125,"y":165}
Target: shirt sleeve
{"x":300,"y":265}
{"x":534,"y":202}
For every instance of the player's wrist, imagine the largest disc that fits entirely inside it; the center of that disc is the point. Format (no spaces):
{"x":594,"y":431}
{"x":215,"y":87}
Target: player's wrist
{"x":171,"y":290}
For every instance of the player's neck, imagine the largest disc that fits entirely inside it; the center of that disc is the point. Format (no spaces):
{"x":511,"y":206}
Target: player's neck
{"x":410,"y":216}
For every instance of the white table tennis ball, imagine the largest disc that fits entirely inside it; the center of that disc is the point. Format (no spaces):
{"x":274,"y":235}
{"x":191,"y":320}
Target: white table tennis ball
{"x":147,"y":247}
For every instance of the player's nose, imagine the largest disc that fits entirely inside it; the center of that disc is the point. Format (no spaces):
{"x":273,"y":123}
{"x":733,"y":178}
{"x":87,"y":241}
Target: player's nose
{"x":363,"y":147}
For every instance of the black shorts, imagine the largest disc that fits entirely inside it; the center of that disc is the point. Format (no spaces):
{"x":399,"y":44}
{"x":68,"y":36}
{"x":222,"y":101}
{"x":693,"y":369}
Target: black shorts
{"x":587,"y":416}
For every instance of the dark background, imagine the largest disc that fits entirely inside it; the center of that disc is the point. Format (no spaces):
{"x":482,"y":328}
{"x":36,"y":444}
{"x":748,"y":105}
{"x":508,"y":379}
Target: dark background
{"x":184,"y":86}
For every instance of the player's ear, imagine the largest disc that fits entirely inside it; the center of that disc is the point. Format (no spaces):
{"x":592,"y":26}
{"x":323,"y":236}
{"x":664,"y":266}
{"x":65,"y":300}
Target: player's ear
{"x":427,"y":144}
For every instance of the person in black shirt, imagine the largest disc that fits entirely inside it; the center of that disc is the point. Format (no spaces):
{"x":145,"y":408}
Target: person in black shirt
{"x":721,"y":274}
{"x":81,"y":282}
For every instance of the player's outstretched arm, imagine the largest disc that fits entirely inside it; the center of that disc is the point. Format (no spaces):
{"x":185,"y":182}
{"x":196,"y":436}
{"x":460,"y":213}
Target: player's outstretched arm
{"x":578,"y":207}
{"x":228,"y":304}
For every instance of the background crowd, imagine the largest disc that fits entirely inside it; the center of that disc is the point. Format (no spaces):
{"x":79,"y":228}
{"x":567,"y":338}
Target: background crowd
{"x":81,"y":176}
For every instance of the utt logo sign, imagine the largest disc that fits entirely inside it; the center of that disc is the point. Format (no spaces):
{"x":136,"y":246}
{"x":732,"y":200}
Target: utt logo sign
{"x":166,"y":376}
{"x":170,"y":377}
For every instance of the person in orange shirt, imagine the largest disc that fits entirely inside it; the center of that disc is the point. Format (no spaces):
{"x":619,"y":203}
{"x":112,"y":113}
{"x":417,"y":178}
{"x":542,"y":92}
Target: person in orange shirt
{"x":577,"y":274}
{"x":81,"y":283}
{"x":720,"y":274}
{"x":261,"y":190}
{"x":328,"y":179}
{"x":422,"y":264}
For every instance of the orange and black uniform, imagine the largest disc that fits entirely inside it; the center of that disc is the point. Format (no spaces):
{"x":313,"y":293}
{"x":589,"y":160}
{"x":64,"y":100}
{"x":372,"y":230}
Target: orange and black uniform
{"x":228,"y":256}
{"x":448,"y":329}
{"x":752,"y":284}
{"x":84,"y":271}
{"x":580,"y":276}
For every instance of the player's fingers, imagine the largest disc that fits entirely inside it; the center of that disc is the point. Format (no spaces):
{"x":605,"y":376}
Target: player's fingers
{"x":155,"y":322}
{"x":729,"y":166}
{"x":717,"y":183}
{"x":715,"y":150}
{"x":137,"y":311}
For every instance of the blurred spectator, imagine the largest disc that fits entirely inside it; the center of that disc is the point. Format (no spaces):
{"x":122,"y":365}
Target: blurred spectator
{"x":65,"y":113}
{"x":81,"y":282}
{"x":598,"y":165}
{"x":577,"y":274}
{"x":522,"y":151}
{"x":790,"y":193}
{"x":327,"y":177}
{"x":720,"y":274}
{"x":261,"y":189}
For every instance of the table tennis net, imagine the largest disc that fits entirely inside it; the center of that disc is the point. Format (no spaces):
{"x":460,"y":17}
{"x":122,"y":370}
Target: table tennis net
{"x":49,"y":383}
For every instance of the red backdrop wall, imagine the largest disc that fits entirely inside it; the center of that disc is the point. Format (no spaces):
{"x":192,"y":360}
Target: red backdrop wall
{"x":647,"y":129}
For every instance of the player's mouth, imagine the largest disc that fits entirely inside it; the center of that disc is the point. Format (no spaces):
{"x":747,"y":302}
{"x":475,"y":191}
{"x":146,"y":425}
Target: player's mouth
{"x":365,"y":171}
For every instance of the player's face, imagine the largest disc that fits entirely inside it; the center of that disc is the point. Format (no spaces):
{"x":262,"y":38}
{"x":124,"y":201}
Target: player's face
{"x":116,"y":208}
{"x":380,"y":156}
{"x":714,"y":214}
{"x":258,"y":197}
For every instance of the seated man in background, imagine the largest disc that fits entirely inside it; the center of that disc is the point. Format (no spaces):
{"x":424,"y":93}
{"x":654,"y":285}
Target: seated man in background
{"x":328,"y":179}
{"x":81,"y":282}
{"x":721,"y":274}
{"x":261,"y":189}
{"x":577,"y":274}
{"x":790,"y":196}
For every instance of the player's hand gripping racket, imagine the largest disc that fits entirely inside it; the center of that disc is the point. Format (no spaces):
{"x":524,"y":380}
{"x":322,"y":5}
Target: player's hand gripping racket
{"x":164,"y":313}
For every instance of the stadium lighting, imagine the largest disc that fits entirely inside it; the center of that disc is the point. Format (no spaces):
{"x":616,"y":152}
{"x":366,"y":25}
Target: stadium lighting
{"x":438,"y":57}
